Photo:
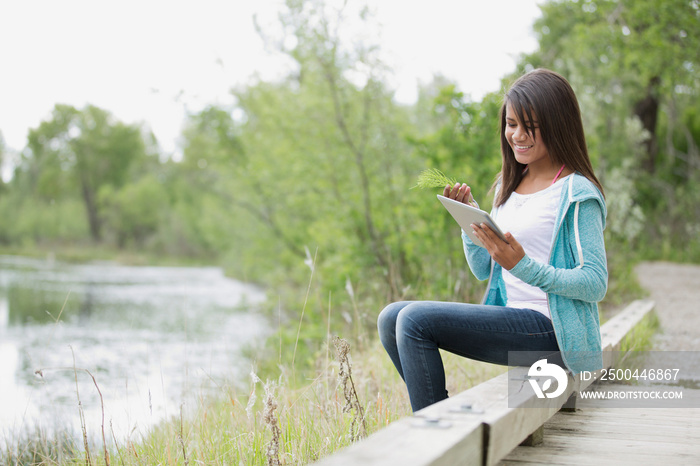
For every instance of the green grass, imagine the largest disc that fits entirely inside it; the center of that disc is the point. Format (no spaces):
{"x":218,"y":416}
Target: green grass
{"x":640,"y":338}
{"x":433,"y":178}
{"x":311,"y":419}
{"x":36,"y":447}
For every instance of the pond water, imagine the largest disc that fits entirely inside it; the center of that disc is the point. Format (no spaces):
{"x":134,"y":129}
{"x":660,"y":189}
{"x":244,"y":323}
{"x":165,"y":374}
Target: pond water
{"x":155,"y":339}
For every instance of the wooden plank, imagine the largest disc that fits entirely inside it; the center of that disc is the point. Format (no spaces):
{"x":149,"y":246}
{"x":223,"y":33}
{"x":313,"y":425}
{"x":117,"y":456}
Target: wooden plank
{"x":612,"y":425}
{"x":617,"y":436}
{"x":605,"y":452}
{"x":614,"y":330}
{"x":662,"y":418}
{"x":443,"y":435}
{"x":507,"y":426}
{"x":565,"y":450}
{"x":613,"y":446}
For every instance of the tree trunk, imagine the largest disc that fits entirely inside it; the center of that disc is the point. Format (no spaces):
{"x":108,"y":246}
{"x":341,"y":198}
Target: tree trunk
{"x":91,"y":209}
{"x":647,"y":110}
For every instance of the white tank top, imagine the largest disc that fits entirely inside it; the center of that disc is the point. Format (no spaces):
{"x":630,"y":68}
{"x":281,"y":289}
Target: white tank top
{"x":530,"y":219}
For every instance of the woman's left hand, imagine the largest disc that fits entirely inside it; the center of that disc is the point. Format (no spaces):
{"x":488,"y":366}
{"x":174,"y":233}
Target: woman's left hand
{"x":506,"y":253}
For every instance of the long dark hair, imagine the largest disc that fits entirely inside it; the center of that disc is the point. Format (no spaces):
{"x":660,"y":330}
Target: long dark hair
{"x":551,"y":99}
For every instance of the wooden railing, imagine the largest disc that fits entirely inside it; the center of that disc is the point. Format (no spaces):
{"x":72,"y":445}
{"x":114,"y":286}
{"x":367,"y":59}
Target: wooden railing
{"x":481,"y":425}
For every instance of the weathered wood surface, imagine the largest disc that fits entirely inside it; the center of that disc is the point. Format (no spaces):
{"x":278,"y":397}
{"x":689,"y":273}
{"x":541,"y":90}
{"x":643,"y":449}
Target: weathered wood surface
{"x":614,"y":330}
{"x":453,"y":435}
{"x":452,"y":438}
{"x":629,"y":436}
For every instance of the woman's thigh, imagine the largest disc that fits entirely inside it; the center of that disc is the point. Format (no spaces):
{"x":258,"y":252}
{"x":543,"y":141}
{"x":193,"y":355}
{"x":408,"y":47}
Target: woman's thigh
{"x":486,"y":333}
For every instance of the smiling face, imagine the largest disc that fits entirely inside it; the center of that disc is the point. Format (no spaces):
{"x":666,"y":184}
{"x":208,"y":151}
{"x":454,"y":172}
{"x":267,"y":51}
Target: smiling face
{"x":540,"y":126}
{"x":526,"y":143}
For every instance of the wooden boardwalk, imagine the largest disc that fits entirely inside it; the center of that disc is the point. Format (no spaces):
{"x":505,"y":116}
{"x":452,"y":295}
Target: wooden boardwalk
{"x":483,"y":425}
{"x":619,"y":436}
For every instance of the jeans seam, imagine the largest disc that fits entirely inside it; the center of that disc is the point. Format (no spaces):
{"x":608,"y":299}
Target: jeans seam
{"x":423,"y":353}
{"x":513,"y":332}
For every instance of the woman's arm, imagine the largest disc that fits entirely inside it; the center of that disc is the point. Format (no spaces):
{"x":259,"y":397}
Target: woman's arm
{"x":478,"y":258}
{"x":587,"y":281}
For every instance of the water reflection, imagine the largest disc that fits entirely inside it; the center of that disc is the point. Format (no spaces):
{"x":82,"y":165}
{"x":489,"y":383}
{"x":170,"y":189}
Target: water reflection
{"x":152,"y":337}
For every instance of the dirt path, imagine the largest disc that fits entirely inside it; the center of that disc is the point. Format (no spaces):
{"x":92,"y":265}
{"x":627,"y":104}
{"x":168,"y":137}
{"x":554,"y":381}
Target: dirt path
{"x":676,"y":290}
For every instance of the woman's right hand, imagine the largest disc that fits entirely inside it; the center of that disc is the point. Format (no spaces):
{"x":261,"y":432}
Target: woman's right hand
{"x":460,"y":193}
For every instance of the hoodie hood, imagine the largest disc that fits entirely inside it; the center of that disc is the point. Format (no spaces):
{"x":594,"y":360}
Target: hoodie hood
{"x":578,"y":188}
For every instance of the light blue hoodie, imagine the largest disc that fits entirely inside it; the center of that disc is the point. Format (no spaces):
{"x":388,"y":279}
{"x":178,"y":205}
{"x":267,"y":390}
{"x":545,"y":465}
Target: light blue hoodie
{"x":575,"y":278}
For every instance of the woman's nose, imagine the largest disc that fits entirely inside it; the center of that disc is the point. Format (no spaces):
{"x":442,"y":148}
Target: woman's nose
{"x":519,"y":134}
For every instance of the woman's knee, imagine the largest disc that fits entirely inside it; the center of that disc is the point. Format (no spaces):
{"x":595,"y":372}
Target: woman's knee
{"x":386,"y":322}
{"x":412,"y":317}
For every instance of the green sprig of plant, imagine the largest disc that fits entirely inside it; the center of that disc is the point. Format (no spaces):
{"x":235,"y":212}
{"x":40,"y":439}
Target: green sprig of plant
{"x":433,"y":178}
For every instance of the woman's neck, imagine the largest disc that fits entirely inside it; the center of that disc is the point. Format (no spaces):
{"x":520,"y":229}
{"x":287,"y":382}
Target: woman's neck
{"x":540,"y":176}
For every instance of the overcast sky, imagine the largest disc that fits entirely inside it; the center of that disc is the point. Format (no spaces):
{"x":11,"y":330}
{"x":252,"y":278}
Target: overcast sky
{"x":153,"y":60}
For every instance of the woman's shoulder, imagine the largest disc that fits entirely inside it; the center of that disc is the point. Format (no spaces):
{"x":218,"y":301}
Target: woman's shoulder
{"x":581,"y":188}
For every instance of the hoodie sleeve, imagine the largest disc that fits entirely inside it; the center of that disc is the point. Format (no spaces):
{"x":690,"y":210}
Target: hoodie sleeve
{"x":588,"y":279}
{"x":478,"y":258}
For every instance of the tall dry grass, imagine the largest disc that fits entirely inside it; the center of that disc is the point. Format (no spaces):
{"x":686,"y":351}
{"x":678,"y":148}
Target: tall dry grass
{"x":272,"y":423}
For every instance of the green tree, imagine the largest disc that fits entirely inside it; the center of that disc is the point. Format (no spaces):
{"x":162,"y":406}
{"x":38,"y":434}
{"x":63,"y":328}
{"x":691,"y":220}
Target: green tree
{"x":325,"y":162}
{"x":635,"y":68}
{"x":78,"y":152}
{"x":464,"y":143}
{"x":203,"y":187}
{"x":315,"y":169}
{"x":640,"y":54}
{"x":134,"y":212}
{"x":3,"y":150}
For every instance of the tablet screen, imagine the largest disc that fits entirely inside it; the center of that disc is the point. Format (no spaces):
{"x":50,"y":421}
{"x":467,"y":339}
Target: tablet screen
{"x":465,"y":215}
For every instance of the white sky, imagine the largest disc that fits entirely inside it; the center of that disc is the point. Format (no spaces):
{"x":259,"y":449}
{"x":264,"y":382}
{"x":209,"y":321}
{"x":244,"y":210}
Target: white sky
{"x":151,"y":60}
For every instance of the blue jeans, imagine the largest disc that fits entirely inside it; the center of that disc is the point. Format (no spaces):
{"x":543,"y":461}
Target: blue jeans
{"x":412,"y":332}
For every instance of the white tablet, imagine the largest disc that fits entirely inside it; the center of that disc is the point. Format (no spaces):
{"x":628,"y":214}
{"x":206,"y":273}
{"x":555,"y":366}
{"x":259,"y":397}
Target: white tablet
{"x":465,"y":215}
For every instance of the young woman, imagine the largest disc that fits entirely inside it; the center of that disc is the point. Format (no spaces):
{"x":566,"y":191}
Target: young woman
{"x":545,"y":280}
